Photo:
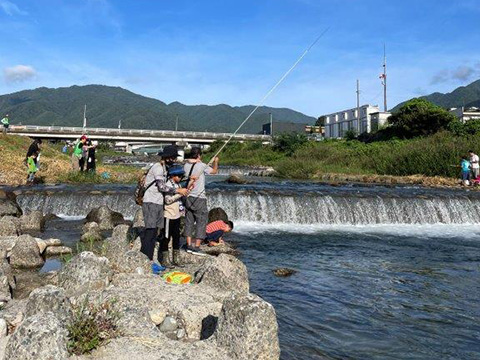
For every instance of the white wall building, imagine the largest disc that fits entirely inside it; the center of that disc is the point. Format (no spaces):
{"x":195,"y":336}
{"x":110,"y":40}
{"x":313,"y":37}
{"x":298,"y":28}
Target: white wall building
{"x":371,"y":118}
{"x":465,"y":114}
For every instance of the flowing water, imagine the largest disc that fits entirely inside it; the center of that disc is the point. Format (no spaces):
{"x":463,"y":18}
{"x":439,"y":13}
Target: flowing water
{"x":383,"y":273}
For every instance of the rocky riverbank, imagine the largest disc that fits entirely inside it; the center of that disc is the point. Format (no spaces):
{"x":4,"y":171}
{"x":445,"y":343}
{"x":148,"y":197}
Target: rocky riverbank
{"x":107,"y":304}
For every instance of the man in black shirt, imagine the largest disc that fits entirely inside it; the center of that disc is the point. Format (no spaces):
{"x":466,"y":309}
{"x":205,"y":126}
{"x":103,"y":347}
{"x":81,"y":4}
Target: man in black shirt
{"x":35,"y":147}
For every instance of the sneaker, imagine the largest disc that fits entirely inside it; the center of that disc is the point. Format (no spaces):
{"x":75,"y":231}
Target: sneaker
{"x":195,"y":251}
{"x":157,"y":269}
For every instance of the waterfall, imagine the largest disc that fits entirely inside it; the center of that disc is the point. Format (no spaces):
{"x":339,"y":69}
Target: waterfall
{"x":271,"y":207}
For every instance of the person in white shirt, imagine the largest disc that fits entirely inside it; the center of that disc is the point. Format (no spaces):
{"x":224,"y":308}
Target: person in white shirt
{"x":474,"y":161}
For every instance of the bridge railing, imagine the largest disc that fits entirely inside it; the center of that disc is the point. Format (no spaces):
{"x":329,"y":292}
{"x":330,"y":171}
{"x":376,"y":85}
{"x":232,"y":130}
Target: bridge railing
{"x":134,"y":132}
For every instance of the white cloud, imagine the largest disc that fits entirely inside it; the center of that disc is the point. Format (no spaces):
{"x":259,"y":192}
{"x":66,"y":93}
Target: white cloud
{"x":19,"y":73}
{"x":11,"y":8}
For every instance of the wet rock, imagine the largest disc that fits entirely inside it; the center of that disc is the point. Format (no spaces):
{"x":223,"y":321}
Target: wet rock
{"x":91,"y":226}
{"x":26,"y":254}
{"x":9,"y":207}
{"x":236,"y":178}
{"x":33,"y":221}
{"x":224,"y":248}
{"x":223,"y":272}
{"x":284,"y":272}
{"x":105,"y":218}
{"x":10,"y":226}
{"x":247,"y":326}
{"x":49,"y":299}
{"x":91,"y":232}
{"x":217,"y":214}
{"x":58,"y":250}
{"x":85,"y":271}
{"x":41,"y":336}
{"x":50,"y":217}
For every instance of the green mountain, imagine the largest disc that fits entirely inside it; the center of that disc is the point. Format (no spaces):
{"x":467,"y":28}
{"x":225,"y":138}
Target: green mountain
{"x":466,"y":96}
{"x":107,"y":105}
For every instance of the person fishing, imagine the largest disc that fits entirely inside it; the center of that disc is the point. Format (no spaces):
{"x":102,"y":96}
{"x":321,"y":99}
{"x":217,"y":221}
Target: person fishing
{"x":196,"y":216}
{"x":153,"y":201}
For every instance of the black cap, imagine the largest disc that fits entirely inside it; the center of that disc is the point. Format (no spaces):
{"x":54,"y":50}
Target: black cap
{"x":169,"y":152}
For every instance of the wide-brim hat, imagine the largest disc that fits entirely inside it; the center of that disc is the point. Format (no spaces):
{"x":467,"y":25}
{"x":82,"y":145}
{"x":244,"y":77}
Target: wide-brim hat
{"x":169,"y":152}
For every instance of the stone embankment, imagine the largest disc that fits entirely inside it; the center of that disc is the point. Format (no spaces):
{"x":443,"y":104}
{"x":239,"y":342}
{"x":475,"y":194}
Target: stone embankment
{"x":214,"y":317}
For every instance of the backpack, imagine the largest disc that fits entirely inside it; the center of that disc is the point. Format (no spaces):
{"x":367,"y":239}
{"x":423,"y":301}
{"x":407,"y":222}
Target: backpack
{"x":141,"y":189}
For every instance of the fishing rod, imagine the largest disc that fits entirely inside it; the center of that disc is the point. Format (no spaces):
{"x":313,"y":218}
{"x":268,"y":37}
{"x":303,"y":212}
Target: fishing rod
{"x":269,"y":93}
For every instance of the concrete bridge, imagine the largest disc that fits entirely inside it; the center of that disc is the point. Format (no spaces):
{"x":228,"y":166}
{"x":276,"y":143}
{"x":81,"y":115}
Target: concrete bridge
{"x":131,"y":137}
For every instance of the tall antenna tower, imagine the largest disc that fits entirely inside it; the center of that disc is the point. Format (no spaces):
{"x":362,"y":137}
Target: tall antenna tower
{"x":358,"y":108}
{"x":85,"y":117}
{"x":384,"y":79}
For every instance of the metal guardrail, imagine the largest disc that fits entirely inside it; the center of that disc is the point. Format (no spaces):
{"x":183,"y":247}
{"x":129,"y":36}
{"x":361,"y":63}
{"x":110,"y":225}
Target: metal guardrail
{"x":133,"y":132}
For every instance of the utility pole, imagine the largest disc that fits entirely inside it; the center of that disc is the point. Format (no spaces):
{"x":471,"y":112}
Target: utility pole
{"x":384,"y":79}
{"x":85,"y":117}
{"x":176,"y":123}
{"x":271,"y":124}
{"x":358,"y":107}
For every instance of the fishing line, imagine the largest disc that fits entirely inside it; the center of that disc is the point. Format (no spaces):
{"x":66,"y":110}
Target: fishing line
{"x":270,"y":93}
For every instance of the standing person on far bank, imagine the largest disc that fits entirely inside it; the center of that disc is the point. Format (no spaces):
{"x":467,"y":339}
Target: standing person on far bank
{"x":465,"y":165}
{"x":196,"y":217}
{"x":474,"y":162}
{"x":153,"y":201}
{"x":78,"y":153}
{"x":5,"y":123}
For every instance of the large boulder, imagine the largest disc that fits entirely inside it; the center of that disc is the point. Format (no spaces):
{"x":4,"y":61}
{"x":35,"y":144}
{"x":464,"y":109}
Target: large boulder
{"x":41,"y":336}
{"x":138,"y":221}
{"x":9,"y":226}
{"x":224,"y":272}
{"x":7,"y":279}
{"x":7,"y":243}
{"x":49,"y":299}
{"x":132,"y":262}
{"x":84,"y":272}
{"x":105,"y":218}
{"x":9,"y":207}
{"x":247,"y":326}
{"x":26,"y":254}
{"x":57,"y":251}
{"x":33,"y":221}
{"x":217,"y":214}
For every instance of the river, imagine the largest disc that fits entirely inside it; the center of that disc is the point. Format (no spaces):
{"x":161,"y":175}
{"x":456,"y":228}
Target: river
{"x":382,"y":272}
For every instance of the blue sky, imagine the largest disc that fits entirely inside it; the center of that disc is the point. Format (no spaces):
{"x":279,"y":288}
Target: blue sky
{"x":225,"y":51}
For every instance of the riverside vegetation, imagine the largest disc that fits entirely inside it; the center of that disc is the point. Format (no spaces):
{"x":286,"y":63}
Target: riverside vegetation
{"x":423,"y":144}
{"x":54,"y":165}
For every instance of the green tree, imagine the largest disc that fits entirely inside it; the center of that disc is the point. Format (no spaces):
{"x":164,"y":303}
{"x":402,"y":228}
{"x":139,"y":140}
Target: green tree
{"x":289,"y":143}
{"x":321,"y":121}
{"x":419,"y":117}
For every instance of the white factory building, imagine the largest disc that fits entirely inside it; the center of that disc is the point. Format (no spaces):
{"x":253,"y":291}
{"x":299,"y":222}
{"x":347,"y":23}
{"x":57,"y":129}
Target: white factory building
{"x":371,"y":119}
{"x":464,"y":114}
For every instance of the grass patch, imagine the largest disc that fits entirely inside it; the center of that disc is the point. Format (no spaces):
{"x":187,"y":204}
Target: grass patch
{"x":92,"y":326}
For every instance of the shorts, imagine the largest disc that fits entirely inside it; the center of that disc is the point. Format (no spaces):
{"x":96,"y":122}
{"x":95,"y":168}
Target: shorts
{"x":153,"y":215}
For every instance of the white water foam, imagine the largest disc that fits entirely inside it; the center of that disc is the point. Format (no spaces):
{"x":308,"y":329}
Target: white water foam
{"x":468,"y":231}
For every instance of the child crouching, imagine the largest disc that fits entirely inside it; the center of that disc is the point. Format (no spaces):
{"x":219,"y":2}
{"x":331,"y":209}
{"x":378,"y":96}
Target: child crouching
{"x":215,"y":231}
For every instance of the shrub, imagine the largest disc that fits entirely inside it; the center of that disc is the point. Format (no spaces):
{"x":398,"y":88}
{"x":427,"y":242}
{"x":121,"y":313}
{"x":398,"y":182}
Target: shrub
{"x":92,"y":325}
{"x":289,"y":143}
